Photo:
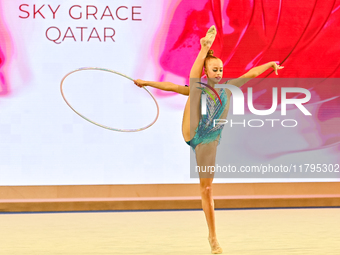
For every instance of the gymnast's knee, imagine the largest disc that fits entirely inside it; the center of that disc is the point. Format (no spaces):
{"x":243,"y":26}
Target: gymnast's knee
{"x":206,"y":190}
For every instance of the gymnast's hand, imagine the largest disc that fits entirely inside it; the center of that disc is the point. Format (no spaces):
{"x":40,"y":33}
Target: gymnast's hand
{"x":140,"y":83}
{"x":276,"y":67}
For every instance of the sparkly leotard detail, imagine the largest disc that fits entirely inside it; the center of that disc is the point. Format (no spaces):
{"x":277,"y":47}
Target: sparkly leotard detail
{"x":205,"y":131}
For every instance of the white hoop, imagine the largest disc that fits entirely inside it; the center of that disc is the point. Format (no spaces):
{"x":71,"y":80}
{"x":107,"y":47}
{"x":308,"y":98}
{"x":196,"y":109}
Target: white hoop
{"x":100,"y":125}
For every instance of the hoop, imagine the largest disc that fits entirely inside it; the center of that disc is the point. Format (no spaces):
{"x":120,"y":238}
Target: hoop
{"x":100,"y":125}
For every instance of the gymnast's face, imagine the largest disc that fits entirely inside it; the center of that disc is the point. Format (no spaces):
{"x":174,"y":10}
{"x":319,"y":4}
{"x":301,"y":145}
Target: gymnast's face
{"x":214,"y":69}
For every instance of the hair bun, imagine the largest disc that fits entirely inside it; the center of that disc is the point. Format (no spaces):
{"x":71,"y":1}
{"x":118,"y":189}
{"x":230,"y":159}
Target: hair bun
{"x":210,"y":53}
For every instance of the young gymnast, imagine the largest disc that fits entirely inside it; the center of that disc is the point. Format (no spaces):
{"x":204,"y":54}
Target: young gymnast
{"x":197,"y":129}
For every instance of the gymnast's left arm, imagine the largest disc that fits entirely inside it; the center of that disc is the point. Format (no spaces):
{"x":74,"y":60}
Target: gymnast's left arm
{"x":167,"y":86}
{"x":254,"y":72}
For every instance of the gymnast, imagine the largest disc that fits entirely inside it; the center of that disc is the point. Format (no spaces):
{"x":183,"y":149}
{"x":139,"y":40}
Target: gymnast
{"x":197,"y":129}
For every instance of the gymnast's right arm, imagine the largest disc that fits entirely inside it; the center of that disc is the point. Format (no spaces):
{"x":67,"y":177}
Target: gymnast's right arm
{"x":167,"y":86}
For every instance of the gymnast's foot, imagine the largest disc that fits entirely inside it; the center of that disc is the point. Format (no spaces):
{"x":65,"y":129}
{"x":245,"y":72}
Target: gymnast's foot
{"x":209,"y":38}
{"x":215,"y":246}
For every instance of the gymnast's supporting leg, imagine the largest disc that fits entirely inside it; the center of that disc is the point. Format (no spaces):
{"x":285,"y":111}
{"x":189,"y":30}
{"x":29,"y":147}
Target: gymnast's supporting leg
{"x":205,"y":156}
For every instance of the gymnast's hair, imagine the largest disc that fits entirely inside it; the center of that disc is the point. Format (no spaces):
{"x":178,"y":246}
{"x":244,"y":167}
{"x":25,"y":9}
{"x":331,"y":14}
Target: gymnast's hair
{"x":210,"y":55}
